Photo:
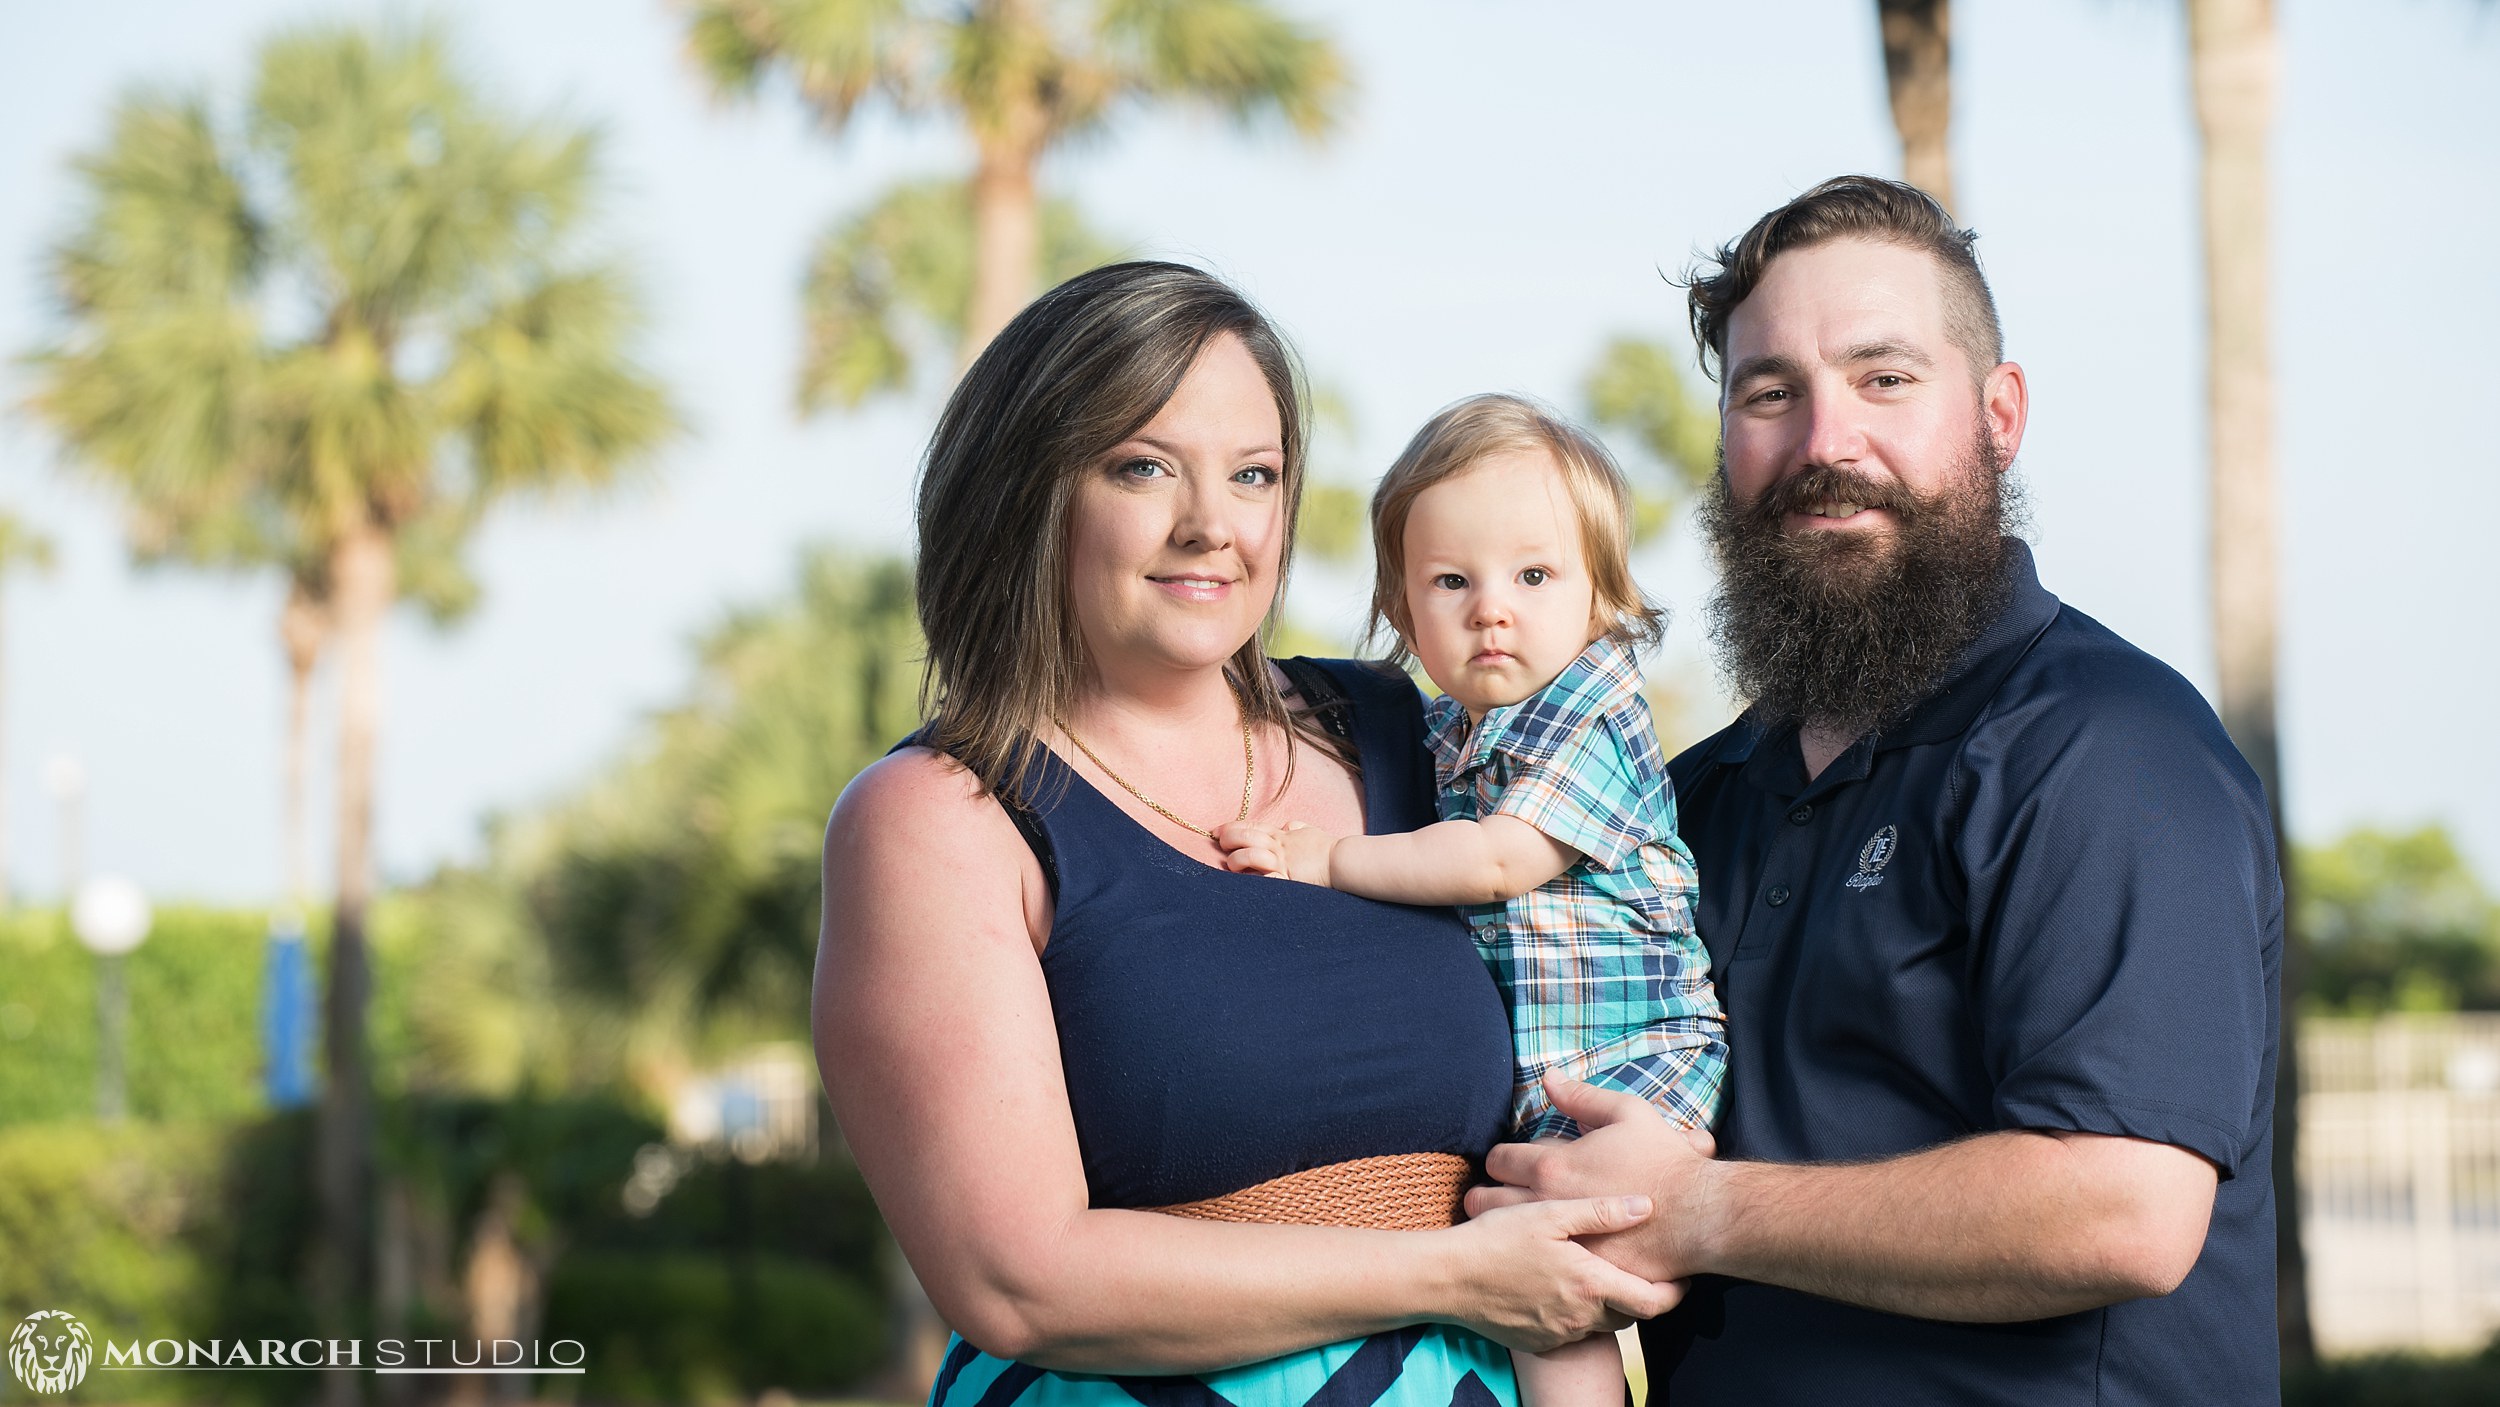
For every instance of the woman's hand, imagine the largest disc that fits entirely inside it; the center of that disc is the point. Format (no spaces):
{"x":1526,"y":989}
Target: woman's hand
{"x":1528,"y":1285}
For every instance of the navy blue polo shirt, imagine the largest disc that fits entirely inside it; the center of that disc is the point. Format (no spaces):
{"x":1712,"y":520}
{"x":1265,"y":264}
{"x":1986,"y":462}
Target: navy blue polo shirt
{"x":2048,"y":900}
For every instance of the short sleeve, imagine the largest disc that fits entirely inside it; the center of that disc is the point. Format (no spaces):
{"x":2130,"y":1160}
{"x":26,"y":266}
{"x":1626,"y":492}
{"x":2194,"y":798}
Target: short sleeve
{"x":2123,"y":881}
{"x":1586,"y":795}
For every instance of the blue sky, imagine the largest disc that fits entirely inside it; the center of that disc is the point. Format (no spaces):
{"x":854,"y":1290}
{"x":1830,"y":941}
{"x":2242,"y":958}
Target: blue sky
{"x":1510,"y":182}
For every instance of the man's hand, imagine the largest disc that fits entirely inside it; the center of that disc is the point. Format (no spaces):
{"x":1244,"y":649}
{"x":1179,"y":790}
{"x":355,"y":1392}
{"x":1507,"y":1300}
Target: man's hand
{"x":1625,"y":1147}
{"x":1295,"y":851}
{"x":2008,"y":1225}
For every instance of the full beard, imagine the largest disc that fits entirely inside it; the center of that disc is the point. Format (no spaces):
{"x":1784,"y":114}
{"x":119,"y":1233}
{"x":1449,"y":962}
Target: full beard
{"x":1847,"y":632}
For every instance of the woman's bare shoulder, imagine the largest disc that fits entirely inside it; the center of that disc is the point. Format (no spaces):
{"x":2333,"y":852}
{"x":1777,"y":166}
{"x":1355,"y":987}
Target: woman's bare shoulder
{"x":918,"y":822}
{"x":919,"y":791}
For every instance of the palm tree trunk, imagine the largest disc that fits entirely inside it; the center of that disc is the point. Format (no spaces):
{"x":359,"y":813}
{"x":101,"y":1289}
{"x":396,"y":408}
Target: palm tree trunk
{"x":362,"y":577}
{"x":1918,"y":72}
{"x":1006,"y":240}
{"x":302,"y":627}
{"x":2234,"y":62}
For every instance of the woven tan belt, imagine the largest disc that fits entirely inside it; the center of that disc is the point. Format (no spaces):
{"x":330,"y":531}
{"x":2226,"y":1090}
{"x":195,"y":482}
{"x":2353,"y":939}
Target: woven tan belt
{"x":1399,"y":1192}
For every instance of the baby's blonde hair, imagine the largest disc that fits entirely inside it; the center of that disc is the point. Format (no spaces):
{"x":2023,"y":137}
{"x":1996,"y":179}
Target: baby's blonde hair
{"x":1450,"y":444}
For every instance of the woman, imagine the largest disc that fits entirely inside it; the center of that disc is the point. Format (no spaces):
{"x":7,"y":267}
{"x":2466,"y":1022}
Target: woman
{"x":1044,"y":1009}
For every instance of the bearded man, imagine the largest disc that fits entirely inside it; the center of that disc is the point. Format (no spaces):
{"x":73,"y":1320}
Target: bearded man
{"x":1991,"y":902}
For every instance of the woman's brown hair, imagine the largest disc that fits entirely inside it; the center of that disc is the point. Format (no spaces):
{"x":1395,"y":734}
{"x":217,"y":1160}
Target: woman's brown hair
{"x":1081,"y":369}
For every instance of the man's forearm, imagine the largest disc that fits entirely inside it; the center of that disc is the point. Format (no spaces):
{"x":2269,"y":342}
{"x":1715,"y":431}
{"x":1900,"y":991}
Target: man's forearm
{"x":2001,"y":1227}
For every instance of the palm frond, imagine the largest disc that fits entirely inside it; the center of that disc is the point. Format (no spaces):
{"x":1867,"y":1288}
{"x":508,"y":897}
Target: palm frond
{"x":22,"y":546}
{"x":900,"y":272}
{"x":542,"y":396}
{"x":1241,"y":55}
{"x":1639,"y":386}
{"x":839,"y":53}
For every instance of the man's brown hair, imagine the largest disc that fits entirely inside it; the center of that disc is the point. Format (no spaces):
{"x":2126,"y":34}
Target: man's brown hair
{"x":1851,"y":207}
{"x":1082,"y":368}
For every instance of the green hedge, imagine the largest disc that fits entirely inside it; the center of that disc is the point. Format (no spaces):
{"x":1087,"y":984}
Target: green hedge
{"x":681,"y":1328}
{"x":743,"y":1278}
{"x":194,"y":1025}
{"x":2398,"y":1380}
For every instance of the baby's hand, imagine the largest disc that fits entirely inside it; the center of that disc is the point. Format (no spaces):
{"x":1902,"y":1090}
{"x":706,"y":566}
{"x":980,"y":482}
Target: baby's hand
{"x":1295,"y":851}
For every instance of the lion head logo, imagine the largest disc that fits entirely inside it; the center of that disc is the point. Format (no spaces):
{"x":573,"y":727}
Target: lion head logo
{"x":50,"y":1351}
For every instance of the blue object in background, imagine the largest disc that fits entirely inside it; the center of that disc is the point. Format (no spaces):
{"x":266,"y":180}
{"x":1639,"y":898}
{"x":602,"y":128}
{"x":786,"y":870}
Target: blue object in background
{"x":286,"y":1014}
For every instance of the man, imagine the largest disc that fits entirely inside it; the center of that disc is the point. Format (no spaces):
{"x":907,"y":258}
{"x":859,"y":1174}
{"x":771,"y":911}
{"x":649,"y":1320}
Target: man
{"x":1990,"y":898}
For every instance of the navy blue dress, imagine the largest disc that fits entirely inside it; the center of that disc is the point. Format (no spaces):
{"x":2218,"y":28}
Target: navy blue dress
{"x":1218,"y":1030}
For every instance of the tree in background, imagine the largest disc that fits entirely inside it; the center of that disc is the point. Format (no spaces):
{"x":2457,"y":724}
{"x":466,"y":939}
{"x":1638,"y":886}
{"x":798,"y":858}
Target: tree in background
{"x":21,"y":549}
{"x":1918,"y":76}
{"x":2397,"y":922}
{"x":2232,"y":63}
{"x":371,"y":310}
{"x":244,"y":536}
{"x":1023,"y":76}
{"x":906,"y":260}
{"x":680,"y":893}
{"x":1640,"y":388}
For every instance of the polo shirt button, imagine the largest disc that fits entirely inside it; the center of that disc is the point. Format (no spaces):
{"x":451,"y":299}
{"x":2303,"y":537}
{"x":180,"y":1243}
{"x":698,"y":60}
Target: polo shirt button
{"x":1778,"y":895}
{"x":1801,"y":815}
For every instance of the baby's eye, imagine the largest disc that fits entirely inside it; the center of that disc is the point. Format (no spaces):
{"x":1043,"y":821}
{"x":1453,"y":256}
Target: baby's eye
{"x":1534,"y":576}
{"x":1450,"y":581}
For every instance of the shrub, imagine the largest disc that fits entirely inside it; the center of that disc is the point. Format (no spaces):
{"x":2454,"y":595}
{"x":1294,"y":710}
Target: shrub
{"x":684,"y":1328}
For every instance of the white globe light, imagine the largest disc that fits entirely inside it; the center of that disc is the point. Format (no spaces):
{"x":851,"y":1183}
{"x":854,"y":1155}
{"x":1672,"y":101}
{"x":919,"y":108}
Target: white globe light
{"x":111,"y":915}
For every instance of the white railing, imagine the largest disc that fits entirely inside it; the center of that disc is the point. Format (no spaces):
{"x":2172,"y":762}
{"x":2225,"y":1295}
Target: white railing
{"x":758,"y":1107}
{"x":2400,"y":1180}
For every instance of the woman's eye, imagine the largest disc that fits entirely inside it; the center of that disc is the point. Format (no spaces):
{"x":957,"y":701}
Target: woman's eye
{"x":1142,"y":468}
{"x":1534,"y":576}
{"x":1450,"y":581}
{"x":1257,"y":474}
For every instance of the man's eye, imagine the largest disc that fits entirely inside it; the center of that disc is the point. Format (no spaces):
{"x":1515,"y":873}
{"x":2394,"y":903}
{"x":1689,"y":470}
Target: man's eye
{"x":1775,"y":394}
{"x":1887,"y":380}
{"x":1534,"y":576}
{"x":1450,"y":581}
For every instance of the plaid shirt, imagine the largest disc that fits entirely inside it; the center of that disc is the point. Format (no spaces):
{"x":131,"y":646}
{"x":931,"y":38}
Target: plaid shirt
{"x":1600,"y":965}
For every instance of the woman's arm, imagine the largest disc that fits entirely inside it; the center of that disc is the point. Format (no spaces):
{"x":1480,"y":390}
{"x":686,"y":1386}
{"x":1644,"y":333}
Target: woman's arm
{"x":935,"y":1038}
{"x":1447,"y":862}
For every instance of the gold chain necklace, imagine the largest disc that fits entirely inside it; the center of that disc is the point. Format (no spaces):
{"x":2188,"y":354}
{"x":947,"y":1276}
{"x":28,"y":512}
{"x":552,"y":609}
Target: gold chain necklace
{"x":1249,"y":771}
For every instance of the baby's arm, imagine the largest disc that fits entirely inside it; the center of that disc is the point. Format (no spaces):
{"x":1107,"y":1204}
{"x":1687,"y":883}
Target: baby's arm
{"x":1448,"y":862}
{"x":1584,"y":1374}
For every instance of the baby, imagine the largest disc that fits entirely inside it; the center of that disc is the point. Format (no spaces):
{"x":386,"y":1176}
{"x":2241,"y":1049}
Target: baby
{"x":1501,"y":535}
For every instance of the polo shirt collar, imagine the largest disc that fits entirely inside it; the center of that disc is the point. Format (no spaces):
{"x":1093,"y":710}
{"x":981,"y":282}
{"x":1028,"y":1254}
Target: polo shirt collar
{"x":1535,"y":728}
{"x":1973,"y":680}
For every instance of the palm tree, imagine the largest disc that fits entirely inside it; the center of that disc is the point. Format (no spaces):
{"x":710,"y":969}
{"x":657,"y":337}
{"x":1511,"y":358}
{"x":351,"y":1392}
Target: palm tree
{"x":1023,"y":76}
{"x":368,"y":313}
{"x":1638,"y":386}
{"x":2233,"y":67}
{"x":20,"y":547}
{"x":909,"y":258}
{"x":1918,"y":74}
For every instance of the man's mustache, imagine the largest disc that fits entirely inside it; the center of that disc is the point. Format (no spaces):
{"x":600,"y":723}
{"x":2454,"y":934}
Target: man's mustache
{"x":1816,"y":485}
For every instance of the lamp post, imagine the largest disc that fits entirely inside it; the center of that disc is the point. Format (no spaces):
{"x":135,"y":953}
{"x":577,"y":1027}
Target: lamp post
{"x":67,"y":781}
{"x":111,"y":917}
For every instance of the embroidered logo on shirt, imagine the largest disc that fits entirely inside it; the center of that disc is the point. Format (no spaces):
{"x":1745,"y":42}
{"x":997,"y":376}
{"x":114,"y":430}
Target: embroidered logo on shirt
{"x":1872,"y":859}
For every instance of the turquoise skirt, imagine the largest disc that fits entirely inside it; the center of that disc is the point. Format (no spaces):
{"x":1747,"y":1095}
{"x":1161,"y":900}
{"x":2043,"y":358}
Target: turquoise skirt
{"x":1422,"y":1365}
